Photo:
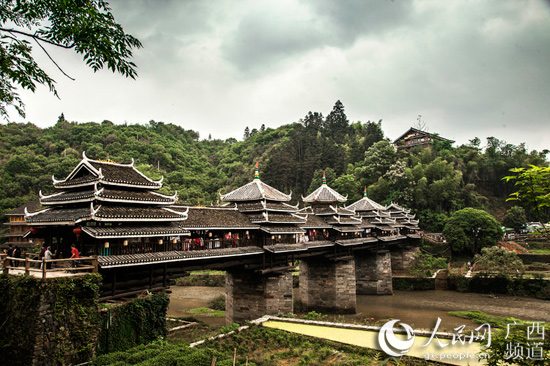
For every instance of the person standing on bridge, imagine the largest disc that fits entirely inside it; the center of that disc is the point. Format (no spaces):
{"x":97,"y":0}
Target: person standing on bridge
{"x":47,"y":256}
{"x":75,"y":254}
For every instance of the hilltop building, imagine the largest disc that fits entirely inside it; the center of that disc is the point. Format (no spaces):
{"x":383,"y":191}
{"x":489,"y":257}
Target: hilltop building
{"x":414,"y":137}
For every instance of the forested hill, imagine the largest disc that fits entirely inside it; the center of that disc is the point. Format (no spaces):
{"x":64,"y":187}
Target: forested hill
{"x":433,"y":181}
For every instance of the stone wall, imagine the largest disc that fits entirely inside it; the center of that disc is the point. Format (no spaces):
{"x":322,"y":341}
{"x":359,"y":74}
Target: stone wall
{"x":373,"y":273}
{"x":328,"y":286}
{"x":250,"y":295}
{"x":401,"y":259}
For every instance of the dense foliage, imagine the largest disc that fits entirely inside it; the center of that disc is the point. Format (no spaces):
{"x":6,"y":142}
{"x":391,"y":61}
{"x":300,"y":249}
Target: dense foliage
{"x":434,"y":181}
{"x":135,"y":322}
{"x":58,"y":317}
{"x":497,"y":260}
{"x":470,"y":230}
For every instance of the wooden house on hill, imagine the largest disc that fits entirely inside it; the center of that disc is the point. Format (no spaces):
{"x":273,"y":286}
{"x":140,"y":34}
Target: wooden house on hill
{"x":414,"y":137}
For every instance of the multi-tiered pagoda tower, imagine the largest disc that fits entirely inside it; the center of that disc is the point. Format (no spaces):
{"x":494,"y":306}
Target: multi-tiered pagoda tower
{"x":324,"y":204}
{"x":266,"y":206}
{"x":107,"y":208}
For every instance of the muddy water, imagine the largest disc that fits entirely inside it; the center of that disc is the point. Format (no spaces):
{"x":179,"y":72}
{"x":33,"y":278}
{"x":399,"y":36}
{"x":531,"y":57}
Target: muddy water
{"x":185,"y":298}
{"x":419,"y":309}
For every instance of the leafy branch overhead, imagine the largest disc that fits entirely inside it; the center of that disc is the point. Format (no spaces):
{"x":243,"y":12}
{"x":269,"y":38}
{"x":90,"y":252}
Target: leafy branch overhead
{"x":86,"y":27}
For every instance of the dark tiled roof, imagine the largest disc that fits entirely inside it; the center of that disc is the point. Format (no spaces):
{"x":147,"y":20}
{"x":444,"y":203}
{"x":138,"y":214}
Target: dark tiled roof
{"x":68,"y":196}
{"x":394,"y":207}
{"x":85,"y":179}
{"x":354,"y":241}
{"x":87,"y":172}
{"x":365,"y":224}
{"x":123,"y":174}
{"x":123,"y":213}
{"x":173,"y":256}
{"x":282,"y":248}
{"x":319,"y":244}
{"x":344,"y":220}
{"x":255,"y":190}
{"x":279,"y":206}
{"x":288,"y":218}
{"x":324,"y":210}
{"x":60,"y":214}
{"x":32,"y":206}
{"x":347,"y":228}
{"x":345,"y":212}
{"x":135,"y":196}
{"x":127,"y":231}
{"x":266,"y":206}
{"x":219,"y":218}
{"x":315,"y":222}
{"x":251,"y":206}
{"x":325,"y":194}
{"x":287,"y":229}
{"x":365,"y":204}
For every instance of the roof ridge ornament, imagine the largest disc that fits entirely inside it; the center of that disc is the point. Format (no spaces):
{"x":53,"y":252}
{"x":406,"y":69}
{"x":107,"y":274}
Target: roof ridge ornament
{"x":55,"y":181}
{"x":84,"y":155}
{"x":256,"y":172}
{"x":324,"y":179}
{"x":365,"y":193}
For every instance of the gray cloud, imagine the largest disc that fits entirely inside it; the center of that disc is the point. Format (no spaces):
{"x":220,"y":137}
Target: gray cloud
{"x":469,"y":68}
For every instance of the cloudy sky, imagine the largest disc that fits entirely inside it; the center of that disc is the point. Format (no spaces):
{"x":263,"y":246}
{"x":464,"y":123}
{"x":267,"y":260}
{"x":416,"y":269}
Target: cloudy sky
{"x":469,"y":68}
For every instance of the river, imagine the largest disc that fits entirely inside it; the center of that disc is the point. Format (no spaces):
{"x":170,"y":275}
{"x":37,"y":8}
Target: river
{"x":419,"y":309}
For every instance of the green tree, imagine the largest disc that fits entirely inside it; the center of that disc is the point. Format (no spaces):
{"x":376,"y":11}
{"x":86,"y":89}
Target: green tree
{"x":336,"y":123}
{"x":533,"y":188}
{"x":378,"y":160}
{"x":470,"y":230}
{"x":85,"y":27}
{"x":515,"y":218}
{"x":496,"y":260}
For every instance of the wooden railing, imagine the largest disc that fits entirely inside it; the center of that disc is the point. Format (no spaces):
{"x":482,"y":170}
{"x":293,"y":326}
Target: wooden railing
{"x":55,"y":267}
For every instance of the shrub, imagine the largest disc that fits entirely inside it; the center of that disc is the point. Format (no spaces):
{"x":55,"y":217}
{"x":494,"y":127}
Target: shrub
{"x":217,"y":303}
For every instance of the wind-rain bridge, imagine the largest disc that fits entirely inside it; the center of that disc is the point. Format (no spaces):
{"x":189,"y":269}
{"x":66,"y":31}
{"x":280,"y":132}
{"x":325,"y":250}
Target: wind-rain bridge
{"x":142,"y":239}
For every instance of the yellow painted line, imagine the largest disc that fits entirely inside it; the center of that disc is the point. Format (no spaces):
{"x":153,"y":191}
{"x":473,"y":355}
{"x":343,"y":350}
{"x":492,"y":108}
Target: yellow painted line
{"x":457,"y":354}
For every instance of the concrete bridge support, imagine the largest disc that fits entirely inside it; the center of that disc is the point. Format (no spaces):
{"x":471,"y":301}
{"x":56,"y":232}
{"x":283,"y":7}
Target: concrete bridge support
{"x":402,"y":258}
{"x":250,"y":295}
{"x":373,"y":271}
{"x":328,"y":285}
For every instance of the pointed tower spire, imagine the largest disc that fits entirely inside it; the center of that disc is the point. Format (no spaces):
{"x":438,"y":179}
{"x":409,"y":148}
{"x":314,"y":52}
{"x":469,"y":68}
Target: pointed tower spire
{"x":324,"y":178}
{"x":365,"y":193}
{"x":256,"y":172}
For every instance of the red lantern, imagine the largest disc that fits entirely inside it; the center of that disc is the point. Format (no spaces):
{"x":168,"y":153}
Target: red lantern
{"x":77,"y":231}
{"x":34,"y":231}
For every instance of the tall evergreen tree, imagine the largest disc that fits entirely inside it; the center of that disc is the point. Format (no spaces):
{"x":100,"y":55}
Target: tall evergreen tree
{"x":336,"y":124}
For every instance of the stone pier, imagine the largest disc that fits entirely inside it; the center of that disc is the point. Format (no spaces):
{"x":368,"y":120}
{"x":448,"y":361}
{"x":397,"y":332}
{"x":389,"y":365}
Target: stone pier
{"x":402,"y":258}
{"x":373,"y":273}
{"x":250,"y":295}
{"x":328,"y":285}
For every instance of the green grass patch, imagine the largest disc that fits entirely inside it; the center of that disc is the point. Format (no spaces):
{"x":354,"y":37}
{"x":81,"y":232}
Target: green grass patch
{"x":207,"y":311}
{"x":540,"y":251}
{"x":207,"y":272}
{"x":480,"y":317}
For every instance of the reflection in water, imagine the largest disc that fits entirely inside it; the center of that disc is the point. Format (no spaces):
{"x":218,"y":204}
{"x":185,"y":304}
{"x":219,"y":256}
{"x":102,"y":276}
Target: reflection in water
{"x":419,"y":309}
